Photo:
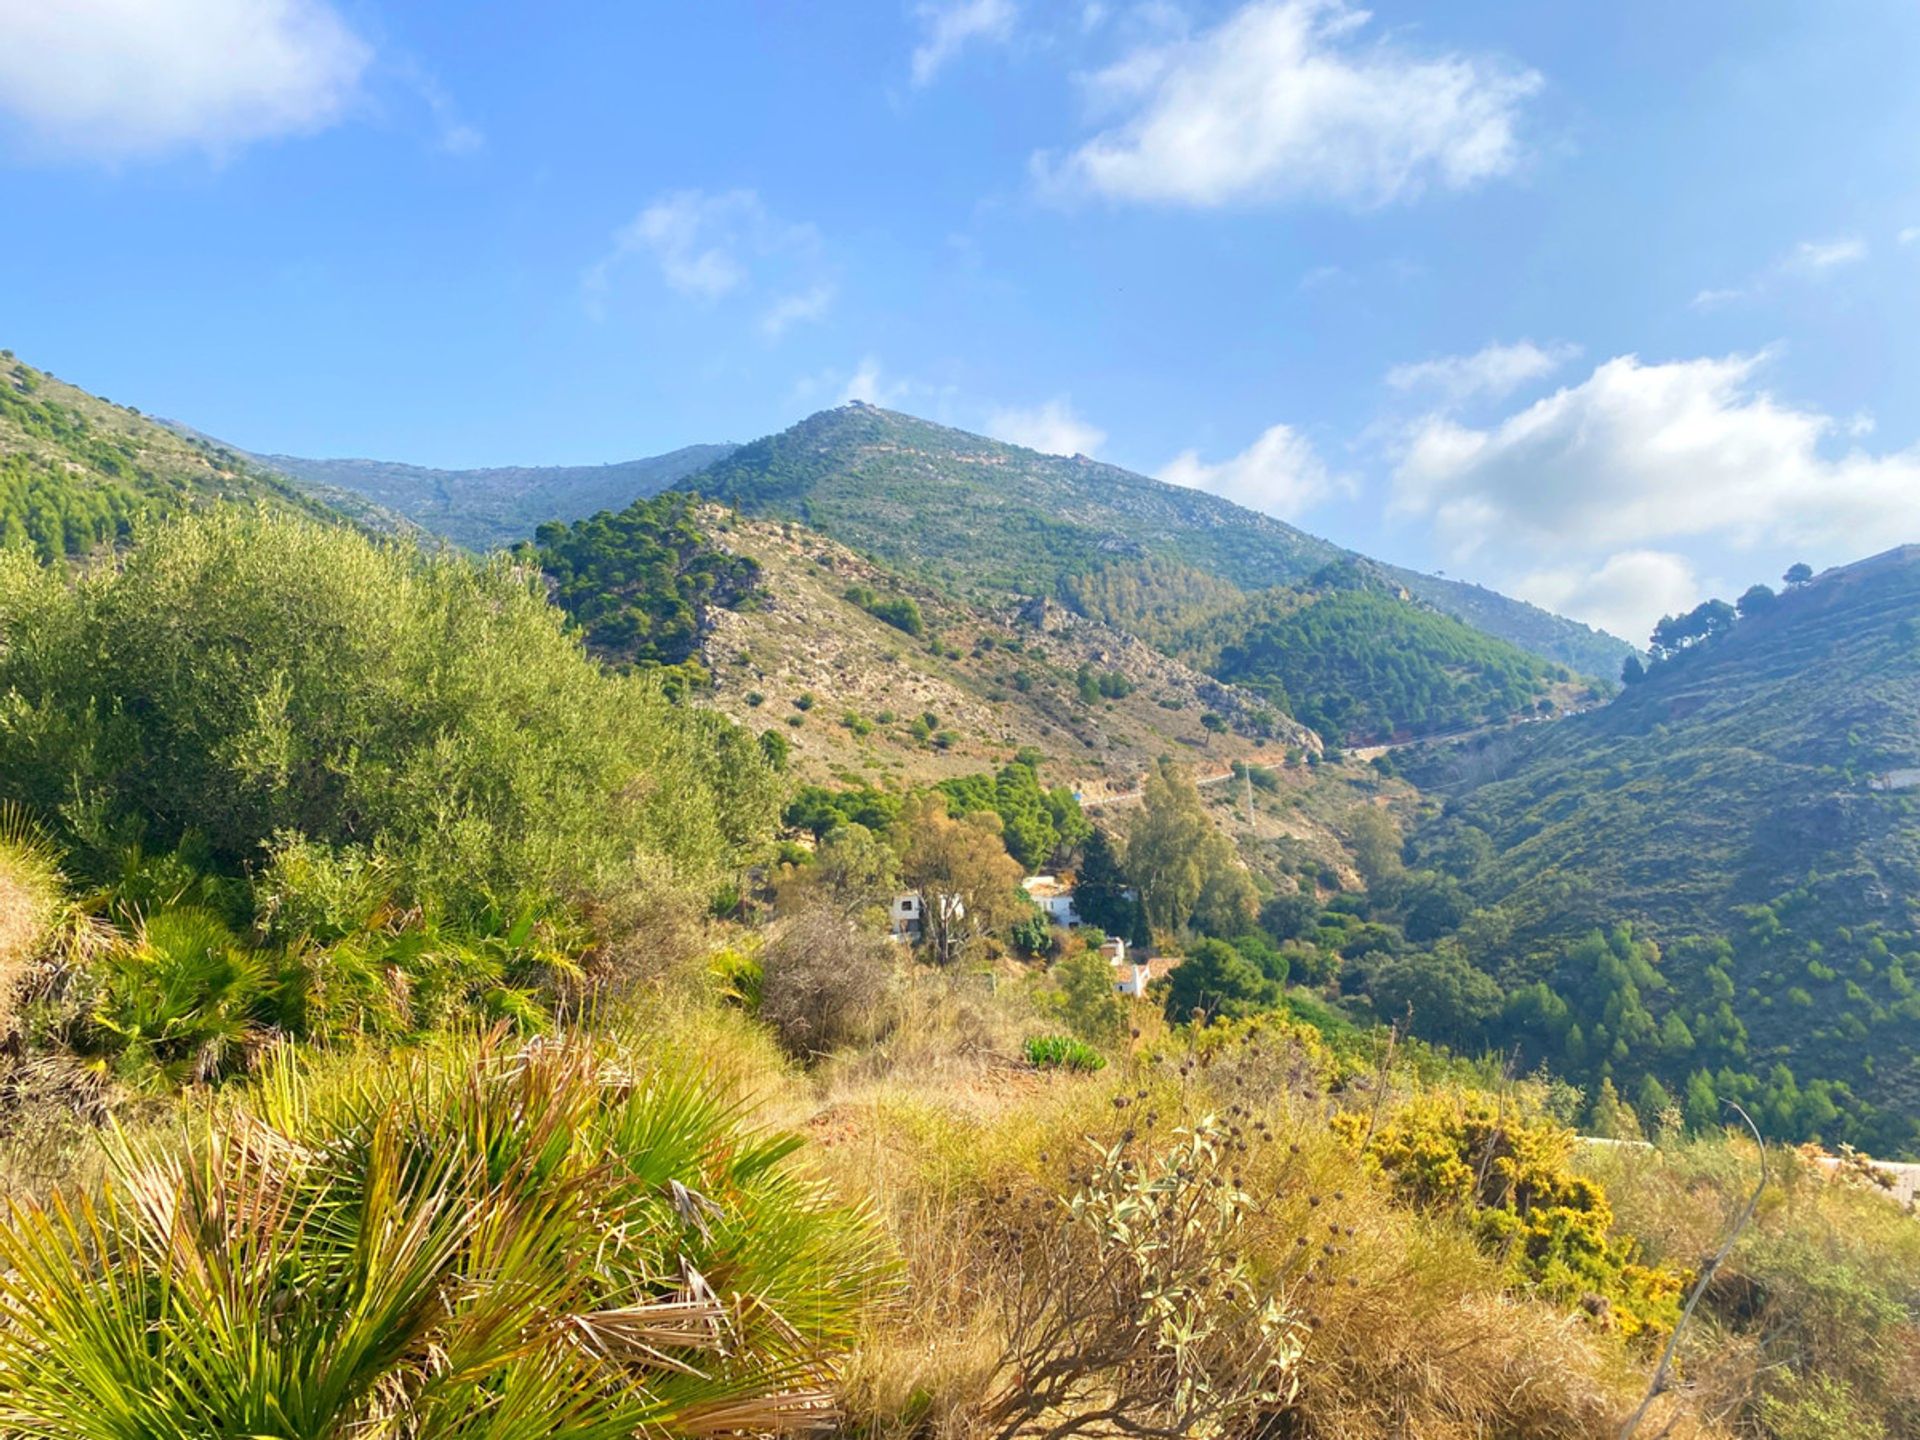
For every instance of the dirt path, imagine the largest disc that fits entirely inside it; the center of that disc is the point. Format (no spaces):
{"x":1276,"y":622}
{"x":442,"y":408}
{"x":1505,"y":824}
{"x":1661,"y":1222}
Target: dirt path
{"x":1132,"y":797}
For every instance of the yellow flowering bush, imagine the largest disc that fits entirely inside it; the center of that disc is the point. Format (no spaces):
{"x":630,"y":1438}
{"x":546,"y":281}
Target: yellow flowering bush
{"x":1510,"y":1176}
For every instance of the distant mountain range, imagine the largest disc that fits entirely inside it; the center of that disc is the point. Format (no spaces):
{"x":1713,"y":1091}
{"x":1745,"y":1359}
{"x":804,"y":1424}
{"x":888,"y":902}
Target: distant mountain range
{"x":487,"y":509}
{"x":979,"y":517}
{"x":976,"y":514}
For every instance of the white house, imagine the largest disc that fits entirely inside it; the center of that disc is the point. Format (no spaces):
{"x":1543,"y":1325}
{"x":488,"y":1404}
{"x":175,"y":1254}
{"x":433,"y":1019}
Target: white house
{"x":906,"y":917}
{"x":1132,"y":976}
{"x":903,"y":918}
{"x":1053,"y":898}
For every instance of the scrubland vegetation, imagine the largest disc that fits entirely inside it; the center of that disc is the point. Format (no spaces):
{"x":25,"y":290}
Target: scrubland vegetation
{"x":418,"y":1029}
{"x":637,"y":582}
{"x":1344,"y":650}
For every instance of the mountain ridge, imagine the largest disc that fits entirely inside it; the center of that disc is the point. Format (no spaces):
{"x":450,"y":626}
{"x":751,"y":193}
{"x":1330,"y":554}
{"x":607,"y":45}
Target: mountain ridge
{"x":1083,"y":509}
{"x":489,"y":507}
{"x":873,"y":478}
{"x":77,"y":470}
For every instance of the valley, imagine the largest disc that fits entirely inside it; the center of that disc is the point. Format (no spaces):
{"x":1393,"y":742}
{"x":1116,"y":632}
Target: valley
{"x":1392,"y":908}
{"x":959,"y":720}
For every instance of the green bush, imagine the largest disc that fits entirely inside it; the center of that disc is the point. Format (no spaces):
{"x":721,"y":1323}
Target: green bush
{"x":1064,"y":1052}
{"x":1510,"y":1177}
{"x":245,"y":677}
{"x":899,"y":611}
{"x":637,"y":581}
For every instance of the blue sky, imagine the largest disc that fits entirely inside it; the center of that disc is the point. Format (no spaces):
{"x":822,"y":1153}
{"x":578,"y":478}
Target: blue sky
{"x":1608,"y":306}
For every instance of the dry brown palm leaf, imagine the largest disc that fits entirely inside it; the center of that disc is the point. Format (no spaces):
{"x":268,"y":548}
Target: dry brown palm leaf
{"x":645,"y":1333}
{"x":787,"y":1412}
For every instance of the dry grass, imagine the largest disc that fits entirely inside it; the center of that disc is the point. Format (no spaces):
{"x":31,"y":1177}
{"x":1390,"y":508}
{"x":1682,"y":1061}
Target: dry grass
{"x":947,"y":1135}
{"x":956,"y":1146}
{"x":1813,"y":1327}
{"x":29,"y":905}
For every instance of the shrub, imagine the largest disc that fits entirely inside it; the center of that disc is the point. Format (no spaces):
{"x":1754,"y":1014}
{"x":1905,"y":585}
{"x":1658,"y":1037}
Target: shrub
{"x":1813,"y":1325}
{"x":244,"y":676}
{"x":181,"y":995}
{"x":825,"y":983}
{"x":1138,"y":1311}
{"x":740,"y":977}
{"x":30,"y":903}
{"x":1510,"y":1176}
{"x":899,"y":611}
{"x":477,"y":1245}
{"x":1032,"y":935}
{"x":1064,"y":1052}
{"x":1089,"y":1004}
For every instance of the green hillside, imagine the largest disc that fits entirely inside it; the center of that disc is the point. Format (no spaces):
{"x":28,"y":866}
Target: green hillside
{"x":77,"y":471}
{"x":977,"y":515}
{"x":382,"y":974}
{"x":490,"y":508}
{"x":1348,"y":651}
{"x":1357,"y":664}
{"x":1750,"y":806}
{"x":638,"y":581}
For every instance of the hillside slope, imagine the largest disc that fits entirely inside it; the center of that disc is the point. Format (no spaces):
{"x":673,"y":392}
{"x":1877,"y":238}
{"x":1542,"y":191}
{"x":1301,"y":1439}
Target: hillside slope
{"x":976,"y":515}
{"x":78,"y":471}
{"x":1758,"y":789}
{"x":486,"y":509}
{"x":860,"y":699}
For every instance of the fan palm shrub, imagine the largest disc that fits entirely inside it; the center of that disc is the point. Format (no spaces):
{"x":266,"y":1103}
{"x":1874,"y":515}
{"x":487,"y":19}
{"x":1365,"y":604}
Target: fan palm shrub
{"x":478,"y":1243}
{"x":179,"y":997}
{"x":1063,"y":1052}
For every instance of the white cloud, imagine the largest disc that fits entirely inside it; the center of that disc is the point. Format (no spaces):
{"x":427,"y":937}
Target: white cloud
{"x":869,"y":383}
{"x":1495,"y":371}
{"x":1624,"y":595}
{"x":121,"y":79}
{"x":454,"y":134}
{"x":789,"y":310}
{"x":953,"y":24}
{"x":1818,"y":256}
{"x":694,"y":237}
{"x":1810,"y":259}
{"x":707,"y":245}
{"x":1712,"y":299}
{"x":1638,"y":454}
{"x":1282,"y":101}
{"x":1052,"y":428}
{"x":1279,"y":473}
{"x":1322,"y":277}
{"x":1909,"y":235}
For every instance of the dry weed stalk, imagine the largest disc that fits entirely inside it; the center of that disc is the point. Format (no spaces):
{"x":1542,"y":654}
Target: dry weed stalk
{"x":1136,"y":1313}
